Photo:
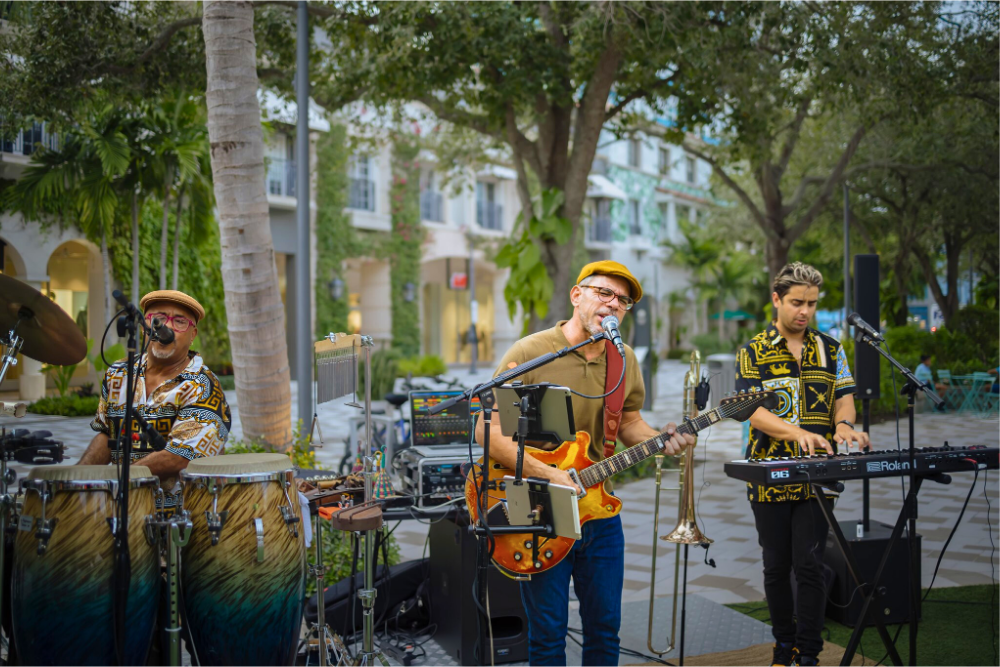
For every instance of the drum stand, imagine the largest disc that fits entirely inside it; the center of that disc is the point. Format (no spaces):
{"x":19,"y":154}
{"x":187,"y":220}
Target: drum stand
{"x":12,"y":345}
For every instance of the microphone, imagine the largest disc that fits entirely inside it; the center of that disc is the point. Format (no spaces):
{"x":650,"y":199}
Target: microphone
{"x":162,"y":333}
{"x":860,"y":325}
{"x":610,"y":326}
{"x":16,"y":409}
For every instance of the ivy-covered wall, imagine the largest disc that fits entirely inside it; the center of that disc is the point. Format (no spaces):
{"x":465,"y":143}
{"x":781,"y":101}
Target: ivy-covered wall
{"x":403,"y":246}
{"x":336,"y":239}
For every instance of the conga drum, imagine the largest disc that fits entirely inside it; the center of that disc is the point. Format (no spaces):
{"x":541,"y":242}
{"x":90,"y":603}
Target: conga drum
{"x":63,"y":588}
{"x":244,"y":569}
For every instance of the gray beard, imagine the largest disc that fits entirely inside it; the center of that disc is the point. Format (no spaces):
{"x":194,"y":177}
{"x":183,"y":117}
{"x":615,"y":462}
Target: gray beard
{"x":160,"y":352}
{"x":590,"y":327}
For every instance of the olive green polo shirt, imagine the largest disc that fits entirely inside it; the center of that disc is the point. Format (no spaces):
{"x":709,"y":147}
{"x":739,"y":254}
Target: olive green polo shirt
{"x":580,"y":374}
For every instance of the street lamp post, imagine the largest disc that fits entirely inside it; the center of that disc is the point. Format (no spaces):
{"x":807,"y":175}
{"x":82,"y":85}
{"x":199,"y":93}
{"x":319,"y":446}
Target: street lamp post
{"x":473,"y":308}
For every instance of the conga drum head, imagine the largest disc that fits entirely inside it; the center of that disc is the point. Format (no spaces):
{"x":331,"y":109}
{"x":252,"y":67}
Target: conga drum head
{"x":62,"y":588}
{"x":244,"y":568}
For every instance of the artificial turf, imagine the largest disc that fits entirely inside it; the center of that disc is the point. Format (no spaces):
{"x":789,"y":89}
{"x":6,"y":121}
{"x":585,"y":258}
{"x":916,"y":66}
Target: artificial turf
{"x":959,"y":626}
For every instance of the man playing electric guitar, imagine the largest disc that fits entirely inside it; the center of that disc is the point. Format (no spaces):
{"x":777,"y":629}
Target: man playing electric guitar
{"x":597,"y":561}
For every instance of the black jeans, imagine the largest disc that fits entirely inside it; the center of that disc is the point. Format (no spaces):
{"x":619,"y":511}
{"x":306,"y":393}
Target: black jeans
{"x":793,"y":536}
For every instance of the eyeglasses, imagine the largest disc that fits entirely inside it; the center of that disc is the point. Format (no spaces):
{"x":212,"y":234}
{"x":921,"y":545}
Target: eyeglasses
{"x":607,"y":296}
{"x":178,"y":323}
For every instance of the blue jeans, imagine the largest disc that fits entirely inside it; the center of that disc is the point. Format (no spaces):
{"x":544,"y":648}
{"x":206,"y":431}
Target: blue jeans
{"x":597,"y":565}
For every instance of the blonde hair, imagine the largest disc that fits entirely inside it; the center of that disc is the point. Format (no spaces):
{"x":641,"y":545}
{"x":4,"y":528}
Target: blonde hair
{"x":795,"y":273}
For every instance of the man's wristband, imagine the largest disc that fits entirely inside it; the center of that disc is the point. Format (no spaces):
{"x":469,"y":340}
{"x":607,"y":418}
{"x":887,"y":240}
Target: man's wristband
{"x":845,"y":421}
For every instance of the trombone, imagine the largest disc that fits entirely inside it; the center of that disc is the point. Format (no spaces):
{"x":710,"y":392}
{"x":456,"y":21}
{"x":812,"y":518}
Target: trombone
{"x":686,"y":532}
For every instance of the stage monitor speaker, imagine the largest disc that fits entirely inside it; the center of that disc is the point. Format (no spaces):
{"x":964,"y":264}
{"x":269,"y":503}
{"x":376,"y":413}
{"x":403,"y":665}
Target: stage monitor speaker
{"x":893,"y":604}
{"x":866,"y":304}
{"x":453,"y":608}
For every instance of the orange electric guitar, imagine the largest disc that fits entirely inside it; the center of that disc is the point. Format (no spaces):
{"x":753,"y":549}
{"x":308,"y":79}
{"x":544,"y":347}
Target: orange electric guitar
{"x":515,"y":553}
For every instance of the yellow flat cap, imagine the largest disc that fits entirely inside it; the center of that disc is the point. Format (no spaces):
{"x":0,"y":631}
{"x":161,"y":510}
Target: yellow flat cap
{"x":608,"y":268}
{"x":173,"y":296}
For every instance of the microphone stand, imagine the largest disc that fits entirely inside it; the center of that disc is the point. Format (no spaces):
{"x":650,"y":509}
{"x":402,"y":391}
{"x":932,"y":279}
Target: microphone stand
{"x":909,"y":512}
{"x":127,"y":325}
{"x":486,"y":398}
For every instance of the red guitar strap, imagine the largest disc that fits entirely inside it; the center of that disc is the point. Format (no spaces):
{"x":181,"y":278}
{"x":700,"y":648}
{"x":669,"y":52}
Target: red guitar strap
{"x":615,"y":403}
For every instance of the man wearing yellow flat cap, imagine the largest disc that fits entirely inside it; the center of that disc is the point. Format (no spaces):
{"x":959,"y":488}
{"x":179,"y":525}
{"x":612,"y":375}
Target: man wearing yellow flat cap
{"x":596,"y":562}
{"x":174,"y":391}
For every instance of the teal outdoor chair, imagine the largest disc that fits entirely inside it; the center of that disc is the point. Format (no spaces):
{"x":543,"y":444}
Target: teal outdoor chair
{"x":955,"y":394}
{"x":979,"y":389}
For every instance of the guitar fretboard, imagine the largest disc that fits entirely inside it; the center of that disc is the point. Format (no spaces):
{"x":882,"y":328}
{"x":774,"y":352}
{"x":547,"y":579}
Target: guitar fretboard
{"x":601,"y":470}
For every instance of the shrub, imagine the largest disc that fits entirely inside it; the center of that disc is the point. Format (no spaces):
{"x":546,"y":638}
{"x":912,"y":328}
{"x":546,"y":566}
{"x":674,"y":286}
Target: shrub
{"x":227,"y":382}
{"x":72,"y":405}
{"x":679,"y":353}
{"x":385,"y":369}
{"x":428,"y":365}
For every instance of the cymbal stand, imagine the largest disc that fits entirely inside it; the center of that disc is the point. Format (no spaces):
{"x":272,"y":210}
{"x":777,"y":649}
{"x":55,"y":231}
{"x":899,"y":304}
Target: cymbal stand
{"x":12,"y":346}
{"x":369,"y":653}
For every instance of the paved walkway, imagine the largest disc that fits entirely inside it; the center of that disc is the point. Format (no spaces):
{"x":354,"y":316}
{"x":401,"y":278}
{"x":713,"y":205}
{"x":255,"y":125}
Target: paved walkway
{"x":722,"y":509}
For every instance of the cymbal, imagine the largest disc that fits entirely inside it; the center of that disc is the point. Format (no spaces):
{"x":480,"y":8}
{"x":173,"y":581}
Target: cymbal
{"x":49,"y":334}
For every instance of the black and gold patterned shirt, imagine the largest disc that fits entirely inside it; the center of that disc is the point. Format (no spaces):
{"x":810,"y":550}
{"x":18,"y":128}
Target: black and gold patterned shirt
{"x":189,"y":410}
{"x":807,"y":396}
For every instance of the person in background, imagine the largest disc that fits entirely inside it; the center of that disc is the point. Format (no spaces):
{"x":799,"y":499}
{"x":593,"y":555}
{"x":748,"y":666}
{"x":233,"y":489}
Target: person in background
{"x":926,"y":375}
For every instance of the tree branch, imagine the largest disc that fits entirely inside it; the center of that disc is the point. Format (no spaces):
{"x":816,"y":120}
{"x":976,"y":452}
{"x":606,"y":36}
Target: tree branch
{"x":733,"y":185}
{"x":793,"y":135}
{"x":831,"y":181}
{"x":473,"y":121}
{"x":639,"y":93}
{"x":157,"y":44}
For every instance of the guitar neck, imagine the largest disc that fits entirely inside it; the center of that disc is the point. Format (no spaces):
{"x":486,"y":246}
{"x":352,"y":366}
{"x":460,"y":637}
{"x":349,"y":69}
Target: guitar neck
{"x":600,"y":471}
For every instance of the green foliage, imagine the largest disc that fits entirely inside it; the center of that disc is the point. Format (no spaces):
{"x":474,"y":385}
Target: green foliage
{"x":530,"y":285}
{"x":300,"y":453}
{"x":200,"y":257}
{"x":336,"y":239}
{"x":338,"y":555}
{"x":227,"y":382}
{"x":403,"y":247}
{"x":708,"y":343}
{"x":973,"y":348}
{"x":428,"y":365}
{"x":385,"y":370}
{"x":112,"y":353}
{"x":72,"y":405}
{"x":679,"y":353}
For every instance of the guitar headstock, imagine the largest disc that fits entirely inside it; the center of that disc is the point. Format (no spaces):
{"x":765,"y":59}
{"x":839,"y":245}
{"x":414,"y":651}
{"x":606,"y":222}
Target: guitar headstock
{"x":740,"y":406}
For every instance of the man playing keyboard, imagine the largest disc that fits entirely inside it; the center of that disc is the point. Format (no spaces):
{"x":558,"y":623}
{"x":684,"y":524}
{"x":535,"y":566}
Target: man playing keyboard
{"x":808,"y":371}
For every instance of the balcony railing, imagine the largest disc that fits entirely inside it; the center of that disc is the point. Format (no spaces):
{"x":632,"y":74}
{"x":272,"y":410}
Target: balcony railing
{"x":431,"y":206}
{"x":281,"y":177}
{"x":27,"y":140}
{"x":600,"y":230}
{"x":362,"y":194}
{"x":489,"y":215}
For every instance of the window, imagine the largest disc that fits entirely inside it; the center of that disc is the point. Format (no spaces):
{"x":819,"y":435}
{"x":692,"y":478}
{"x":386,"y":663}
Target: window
{"x":635,"y":152}
{"x":689,"y":171}
{"x":634,"y":223}
{"x":600,"y":228}
{"x":361,"y":172}
{"x":489,"y":214}
{"x":664,"y":165}
{"x":431,"y":201}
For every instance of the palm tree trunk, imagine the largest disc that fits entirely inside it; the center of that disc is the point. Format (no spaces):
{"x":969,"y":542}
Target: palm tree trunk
{"x":165,"y":228}
{"x":135,"y":248}
{"x":177,"y":235}
{"x":249,"y":276}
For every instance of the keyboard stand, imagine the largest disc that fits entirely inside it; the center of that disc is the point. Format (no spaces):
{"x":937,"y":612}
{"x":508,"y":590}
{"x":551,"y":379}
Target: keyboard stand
{"x":870,"y":589}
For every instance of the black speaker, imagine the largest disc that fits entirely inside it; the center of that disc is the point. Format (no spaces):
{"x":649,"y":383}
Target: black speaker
{"x":453,"y":607}
{"x":893,"y":603}
{"x":866,"y":359}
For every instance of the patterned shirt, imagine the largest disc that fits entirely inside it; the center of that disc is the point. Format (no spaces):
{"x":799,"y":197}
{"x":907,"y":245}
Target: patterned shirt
{"x":189,"y":410}
{"x":806,"y":396}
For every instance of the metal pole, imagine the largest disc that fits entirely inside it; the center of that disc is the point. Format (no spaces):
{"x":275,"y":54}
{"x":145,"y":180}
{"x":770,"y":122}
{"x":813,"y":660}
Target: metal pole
{"x":473,"y":309}
{"x":303,"y":259}
{"x":847,"y":263}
